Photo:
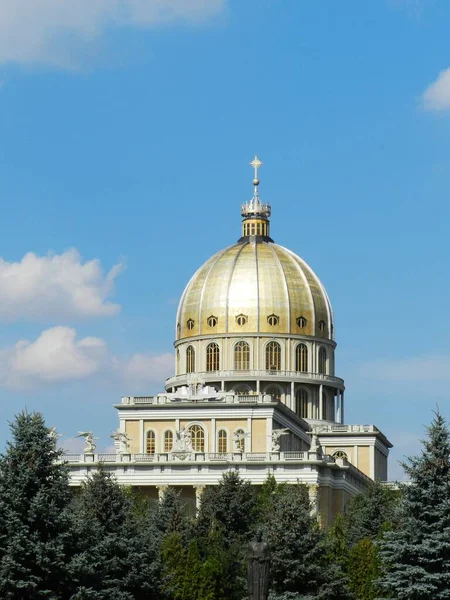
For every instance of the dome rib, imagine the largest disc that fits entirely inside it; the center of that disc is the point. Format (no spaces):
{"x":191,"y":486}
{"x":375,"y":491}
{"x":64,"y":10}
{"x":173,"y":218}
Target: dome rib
{"x":286,"y":287}
{"x":218,"y":256}
{"x":233,"y":266}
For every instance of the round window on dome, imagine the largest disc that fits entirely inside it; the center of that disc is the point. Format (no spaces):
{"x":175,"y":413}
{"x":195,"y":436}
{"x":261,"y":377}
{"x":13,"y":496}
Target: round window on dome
{"x":273,"y":320}
{"x":212,"y":321}
{"x":190,"y":324}
{"x":241,"y":320}
{"x":302,"y":322}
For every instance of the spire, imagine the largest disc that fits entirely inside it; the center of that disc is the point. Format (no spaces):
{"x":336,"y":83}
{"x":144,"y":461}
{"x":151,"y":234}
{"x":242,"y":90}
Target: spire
{"x":255,"y":208}
{"x":255,"y":214}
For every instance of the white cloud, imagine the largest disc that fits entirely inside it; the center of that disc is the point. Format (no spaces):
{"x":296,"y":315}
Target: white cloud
{"x":55,"y":31}
{"x":423,"y":369}
{"x":146,"y":368}
{"x":437,"y":95}
{"x":55,"y":286}
{"x":55,"y":356}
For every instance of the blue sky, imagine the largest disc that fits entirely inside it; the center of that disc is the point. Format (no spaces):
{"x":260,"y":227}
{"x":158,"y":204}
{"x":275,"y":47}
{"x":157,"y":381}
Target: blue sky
{"x":126,"y":129}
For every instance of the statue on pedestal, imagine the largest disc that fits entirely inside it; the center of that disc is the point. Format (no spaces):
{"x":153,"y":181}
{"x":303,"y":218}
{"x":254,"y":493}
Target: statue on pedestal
{"x":89,"y":441}
{"x":258,"y":569}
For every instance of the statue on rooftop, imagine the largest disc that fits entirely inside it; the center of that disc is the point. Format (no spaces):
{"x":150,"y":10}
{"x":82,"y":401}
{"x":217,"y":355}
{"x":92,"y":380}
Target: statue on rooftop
{"x":89,"y":440}
{"x":276,"y":435}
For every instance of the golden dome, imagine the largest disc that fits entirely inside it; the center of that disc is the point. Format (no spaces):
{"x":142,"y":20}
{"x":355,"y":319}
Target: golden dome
{"x":255,"y":286}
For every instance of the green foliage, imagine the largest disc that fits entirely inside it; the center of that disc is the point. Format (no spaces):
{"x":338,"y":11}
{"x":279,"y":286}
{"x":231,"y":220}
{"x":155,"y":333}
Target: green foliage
{"x":416,"y":556}
{"x":364,"y":569}
{"x":34,"y":519}
{"x":300,"y":565}
{"x":368,"y":514}
{"x":229,"y":506}
{"x":116,"y":557}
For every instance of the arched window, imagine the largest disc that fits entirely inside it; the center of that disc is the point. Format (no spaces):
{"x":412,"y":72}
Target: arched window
{"x":150,"y":442}
{"x":302,"y":404}
{"x":190,"y":359}
{"x":242,"y":356}
{"x":168,"y":441}
{"x":239,"y":440}
{"x":340,"y":454}
{"x":273,"y":356}
{"x":301,"y":358}
{"x":274,"y":391}
{"x":212,"y":357}
{"x":322,"y":360}
{"x":197,"y":438}
{"x":222,"y":441}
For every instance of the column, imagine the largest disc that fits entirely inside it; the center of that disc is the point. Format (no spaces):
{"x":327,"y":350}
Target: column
{"x":141,"y":436}
{"x":342,"y":407}
{"x":321,"y":401}
{"x":199,"y":489}
{"x":292,"y":406}
{"x":248,"y":439}
{"x":258,"y":386}
{"x":268,"y":434}
{"x":212,"y":443}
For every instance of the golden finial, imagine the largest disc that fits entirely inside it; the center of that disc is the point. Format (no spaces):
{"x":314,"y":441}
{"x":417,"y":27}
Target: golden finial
{"x":256,"y":163}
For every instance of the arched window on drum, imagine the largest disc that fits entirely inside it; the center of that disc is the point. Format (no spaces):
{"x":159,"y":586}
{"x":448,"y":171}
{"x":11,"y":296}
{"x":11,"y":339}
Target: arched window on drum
{"x":212,"y":357}
{"x":273,"y":356}
{"x":301,"y":358}
{"x":323,"y":359}
{"x":302,"y":404}
{"x":242,"y":356}
{"x":190,"y":359}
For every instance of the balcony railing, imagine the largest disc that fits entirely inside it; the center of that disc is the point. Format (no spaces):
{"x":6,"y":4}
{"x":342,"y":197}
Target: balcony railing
{"x":195,"y":457}
{"x":258,"y":374}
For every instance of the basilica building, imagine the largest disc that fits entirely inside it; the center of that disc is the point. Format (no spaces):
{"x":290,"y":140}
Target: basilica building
{"x":254,"y":388}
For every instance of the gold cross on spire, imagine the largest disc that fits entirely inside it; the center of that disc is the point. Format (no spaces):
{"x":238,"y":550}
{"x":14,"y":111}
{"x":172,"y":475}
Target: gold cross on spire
{"x":256,"y":163}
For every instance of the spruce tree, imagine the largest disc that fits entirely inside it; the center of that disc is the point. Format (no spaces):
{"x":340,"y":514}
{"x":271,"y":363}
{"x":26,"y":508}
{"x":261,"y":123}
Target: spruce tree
{"x":118,"y":554}
{"x":34,"y":521}
{"x":301,"y":567}
{"x":416,"y":556}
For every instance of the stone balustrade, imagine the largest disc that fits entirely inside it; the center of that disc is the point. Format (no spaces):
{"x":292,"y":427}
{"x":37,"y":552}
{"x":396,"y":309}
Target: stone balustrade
{"x":190,"y":457}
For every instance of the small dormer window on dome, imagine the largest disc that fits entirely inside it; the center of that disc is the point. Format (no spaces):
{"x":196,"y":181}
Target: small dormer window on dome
{"x":212,"y":321}
{"x":302,"y":322}
{"x":273,"y":320}
{"x":190,"y":323}
{"x":322,"y":326}
{"x":241,"y":319}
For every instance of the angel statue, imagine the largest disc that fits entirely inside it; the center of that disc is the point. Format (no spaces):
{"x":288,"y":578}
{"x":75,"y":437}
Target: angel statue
{"x":89,"y":440}
{"x":122,"y":441}
{"x":276,"y":435}
{"x":183,"y":441}
{"x":315,"y":442}
{"x":239,"y":440}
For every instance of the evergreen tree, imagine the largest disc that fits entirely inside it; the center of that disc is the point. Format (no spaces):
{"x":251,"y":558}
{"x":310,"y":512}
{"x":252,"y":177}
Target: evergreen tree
{"x":416,"y":556}
{"x":118,"y":555}
{"x":364,"y":569}
{"x":34,"y":521}
{"x":301,"y":567}
{"x":368,"y":514}
{"x":230,"y":506}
